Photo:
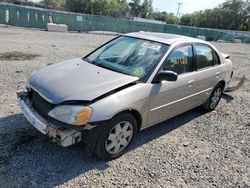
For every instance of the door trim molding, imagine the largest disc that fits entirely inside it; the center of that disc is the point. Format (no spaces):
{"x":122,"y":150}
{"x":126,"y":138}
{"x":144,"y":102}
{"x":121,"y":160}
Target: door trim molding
{"x":180,"y":99}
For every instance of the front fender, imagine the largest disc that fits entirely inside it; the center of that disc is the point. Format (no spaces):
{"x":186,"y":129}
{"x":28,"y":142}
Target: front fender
{"x":134,"y":97}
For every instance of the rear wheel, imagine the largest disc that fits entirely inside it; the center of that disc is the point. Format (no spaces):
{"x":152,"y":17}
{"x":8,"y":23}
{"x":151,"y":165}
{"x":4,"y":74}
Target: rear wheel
{"x":214,"y":98}
{"x":116,"y":136}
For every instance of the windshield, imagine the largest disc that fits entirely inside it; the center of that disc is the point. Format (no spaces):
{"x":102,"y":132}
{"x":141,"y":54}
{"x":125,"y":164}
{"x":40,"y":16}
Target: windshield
{"x":127,"y":55}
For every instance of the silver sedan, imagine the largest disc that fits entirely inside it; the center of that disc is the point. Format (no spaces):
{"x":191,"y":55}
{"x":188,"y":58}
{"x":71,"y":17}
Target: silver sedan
{"x":128,"y":84}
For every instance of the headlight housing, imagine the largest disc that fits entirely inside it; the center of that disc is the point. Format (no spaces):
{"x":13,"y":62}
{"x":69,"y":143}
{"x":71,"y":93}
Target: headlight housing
{"x":71,"y":114}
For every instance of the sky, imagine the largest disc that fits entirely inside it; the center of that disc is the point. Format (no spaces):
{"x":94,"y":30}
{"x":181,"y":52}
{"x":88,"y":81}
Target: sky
{"x":188,"y":6}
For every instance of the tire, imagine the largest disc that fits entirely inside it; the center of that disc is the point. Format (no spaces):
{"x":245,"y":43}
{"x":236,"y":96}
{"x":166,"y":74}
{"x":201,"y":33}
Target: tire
{"x":214,"y":98}
{"x":116,"y":136}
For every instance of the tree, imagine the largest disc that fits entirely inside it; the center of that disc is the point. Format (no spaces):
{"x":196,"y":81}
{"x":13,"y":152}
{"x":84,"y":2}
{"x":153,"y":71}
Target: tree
{"x":11,"y":1}
{"x":146,"y":8}
{"x":187,"y":19}
{"x":115,"y":8}
{"x":54,"y":3}
{"x":169,"y":18}
{"x":237,"y":14}
{"x":118,"y":8}
{"x":80,"y":6}
{"x":233,"y":14}
{"x":99,"y":7}
{"x":135,"y":8}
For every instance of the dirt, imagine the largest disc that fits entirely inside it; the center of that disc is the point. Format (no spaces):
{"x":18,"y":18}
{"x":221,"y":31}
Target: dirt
{"x":16,"y":56}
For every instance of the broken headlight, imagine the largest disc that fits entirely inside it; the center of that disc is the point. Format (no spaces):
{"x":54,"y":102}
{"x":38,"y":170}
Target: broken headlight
{"x":71,"y":114}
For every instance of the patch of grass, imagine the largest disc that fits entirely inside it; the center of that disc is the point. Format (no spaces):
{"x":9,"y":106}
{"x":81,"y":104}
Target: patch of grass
{"x":16,"y":56}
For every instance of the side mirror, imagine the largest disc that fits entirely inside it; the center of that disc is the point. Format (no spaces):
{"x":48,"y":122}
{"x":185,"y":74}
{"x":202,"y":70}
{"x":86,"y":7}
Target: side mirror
{"x":165,"y":75}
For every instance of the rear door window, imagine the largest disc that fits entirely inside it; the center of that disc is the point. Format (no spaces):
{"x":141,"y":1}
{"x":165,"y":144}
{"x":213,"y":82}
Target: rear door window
{"x":216,"y":58}
{"x":205,"y":56}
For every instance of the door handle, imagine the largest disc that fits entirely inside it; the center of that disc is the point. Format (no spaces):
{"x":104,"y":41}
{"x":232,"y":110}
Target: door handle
{"x":190,"y":83}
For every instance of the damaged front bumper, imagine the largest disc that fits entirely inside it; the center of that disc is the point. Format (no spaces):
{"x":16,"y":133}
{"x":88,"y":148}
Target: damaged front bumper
{"x":60,"y":135}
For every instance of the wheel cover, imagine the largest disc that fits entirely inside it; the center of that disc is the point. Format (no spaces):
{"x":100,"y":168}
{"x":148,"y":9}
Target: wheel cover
{"x":119,"y":137}
{"x":215,"y":97}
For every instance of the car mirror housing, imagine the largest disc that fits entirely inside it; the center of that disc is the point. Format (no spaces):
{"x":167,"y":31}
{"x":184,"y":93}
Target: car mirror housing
{"x":165,"y":75}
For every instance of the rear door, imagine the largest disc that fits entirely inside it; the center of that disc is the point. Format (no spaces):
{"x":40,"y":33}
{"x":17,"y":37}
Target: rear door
{"x":168,"y":99}
{"x":208,"y":70}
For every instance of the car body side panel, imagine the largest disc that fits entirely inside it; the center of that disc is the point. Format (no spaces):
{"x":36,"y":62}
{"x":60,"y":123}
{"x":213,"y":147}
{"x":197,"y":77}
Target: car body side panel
{"x":134,"y":97}
{"x":211,"y":76}
{"x":177,"y":96}
{"x":168,"y":99}
{"x":139,"y":97}
{"x":206,"y":80}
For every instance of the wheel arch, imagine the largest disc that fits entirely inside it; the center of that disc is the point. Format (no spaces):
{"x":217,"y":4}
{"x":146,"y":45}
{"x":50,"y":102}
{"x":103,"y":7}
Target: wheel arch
{"x":223,"y":83}
{"x":137,"y":115}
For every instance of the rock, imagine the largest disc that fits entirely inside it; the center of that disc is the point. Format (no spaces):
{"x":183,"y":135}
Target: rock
{"x":185,"y":144}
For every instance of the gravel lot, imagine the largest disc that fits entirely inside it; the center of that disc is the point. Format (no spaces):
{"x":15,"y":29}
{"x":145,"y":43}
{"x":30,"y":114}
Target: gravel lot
{"x":195,"y":149}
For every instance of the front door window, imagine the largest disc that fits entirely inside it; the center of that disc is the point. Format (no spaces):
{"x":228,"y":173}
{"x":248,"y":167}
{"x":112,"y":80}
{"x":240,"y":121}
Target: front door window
{"x":180,"y":60}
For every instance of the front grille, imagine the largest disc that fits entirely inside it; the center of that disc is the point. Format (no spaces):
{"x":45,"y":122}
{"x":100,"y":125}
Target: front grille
{"x":40,"y":105}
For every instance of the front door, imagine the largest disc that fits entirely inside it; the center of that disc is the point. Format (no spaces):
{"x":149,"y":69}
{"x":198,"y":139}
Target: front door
{"x":168,"y":99}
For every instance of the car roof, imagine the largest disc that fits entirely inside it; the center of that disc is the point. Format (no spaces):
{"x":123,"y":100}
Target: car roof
{"x":166,"y":38}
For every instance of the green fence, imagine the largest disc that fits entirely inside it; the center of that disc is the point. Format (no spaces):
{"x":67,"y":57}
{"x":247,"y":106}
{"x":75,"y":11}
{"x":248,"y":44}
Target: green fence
{"x":38,"y":18}
{"x":23,"y":17}
{"x":2,"y":14}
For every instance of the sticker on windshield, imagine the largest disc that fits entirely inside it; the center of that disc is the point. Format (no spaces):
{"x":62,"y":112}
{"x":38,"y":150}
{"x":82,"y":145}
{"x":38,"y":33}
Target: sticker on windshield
{"x":153,"y":46}
{"x":142,"y":51}
{"x":139,"y":71}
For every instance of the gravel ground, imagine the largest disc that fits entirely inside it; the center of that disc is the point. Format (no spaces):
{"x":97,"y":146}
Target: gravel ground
{"x":195,"y":149}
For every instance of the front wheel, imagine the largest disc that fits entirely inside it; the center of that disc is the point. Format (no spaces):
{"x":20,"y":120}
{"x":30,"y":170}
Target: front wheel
{"x":116,"y":136}
{"x":214,"y":98}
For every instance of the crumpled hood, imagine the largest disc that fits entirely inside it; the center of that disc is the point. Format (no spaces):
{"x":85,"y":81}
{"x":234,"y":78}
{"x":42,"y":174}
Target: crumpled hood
{"x":76,"y":80}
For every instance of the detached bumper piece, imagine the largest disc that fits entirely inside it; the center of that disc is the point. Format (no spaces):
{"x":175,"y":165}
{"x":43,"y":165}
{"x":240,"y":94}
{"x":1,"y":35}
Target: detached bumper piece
{"x":237,"y":86}
{"x":65,"y":137}
{"x":60,"y":135}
